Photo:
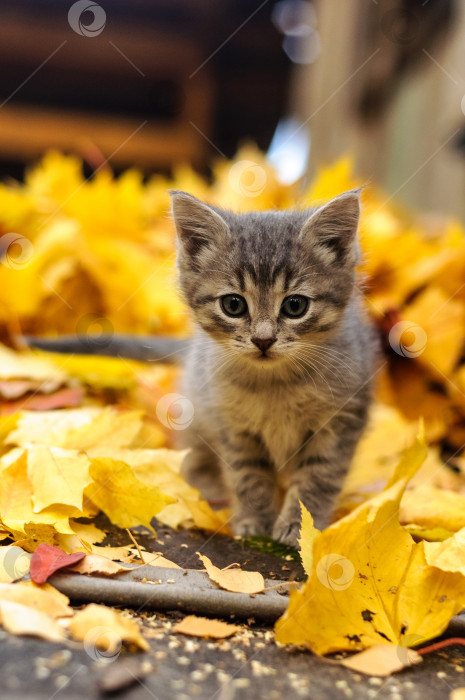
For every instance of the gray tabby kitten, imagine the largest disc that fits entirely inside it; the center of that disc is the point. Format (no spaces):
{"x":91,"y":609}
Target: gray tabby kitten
{"x":280,"y":365}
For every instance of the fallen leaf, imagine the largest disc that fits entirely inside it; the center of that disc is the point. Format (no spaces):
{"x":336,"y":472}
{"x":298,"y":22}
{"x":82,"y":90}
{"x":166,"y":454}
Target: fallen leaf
{"x":448,"y":555}
{"x":62,"y":398}
{"x":435,"y":534}
{"x":57,"y":476}
{"x":308,"y":532}
{"x":457,"y":694}
{"x":48,"y":559}
{"x":126,"y":501}
{"x":382,"y":660}
{"x":194,"y":626}
{"x":96,"y":564}
{"x":371,"y":582}
{"x":31,"y":367}
{"x":15,"y":388}
{"x":46,"y":600}
{"x":77,"y":429}
{"x":431,"y":507}
{"x":24,"y":620}
{"x":234,"y":580}
{"x":88,"y":532}
{"x":45,"y":587}
{"x":157,"y":560}
{"x":106,"y":628}
{"x":161,"y":468}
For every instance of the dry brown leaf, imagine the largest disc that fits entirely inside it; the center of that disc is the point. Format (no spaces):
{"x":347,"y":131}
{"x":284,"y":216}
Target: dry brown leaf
{"x":23,"y":620}
{"x":382,"y":660}
{"x":36,"y":597}
{"x":158,"y":560}
{"x":203,"y":627}
{"x":234,"y":580}
{"x":96,"y":564}
{"x":46,"y":587}
{"x":106,"y":628}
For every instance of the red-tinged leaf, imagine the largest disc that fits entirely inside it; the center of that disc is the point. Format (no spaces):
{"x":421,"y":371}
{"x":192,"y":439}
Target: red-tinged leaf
{"x":48,"y":559}
{"x":63,"y":398}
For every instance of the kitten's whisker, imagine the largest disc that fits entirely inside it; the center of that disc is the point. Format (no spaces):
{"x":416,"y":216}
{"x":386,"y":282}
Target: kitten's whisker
{"x":305,"y":371}
{"x":332,"y":351}
{"x":336,"y":372}
{"x":327,"y":362}
{"x":315,"y":369}
{"x":323,"y":352}
{"x":326,"y":348}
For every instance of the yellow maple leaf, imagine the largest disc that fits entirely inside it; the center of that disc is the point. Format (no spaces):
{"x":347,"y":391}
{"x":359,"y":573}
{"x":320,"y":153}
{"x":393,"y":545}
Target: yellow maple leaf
{"x":370,"y":582}
{"x":77,"y":429}
{"x":431,"y":507}
{"x":448,"y":555}
{"x":161,"y":468}
{"x":126,"y":500}
{"x":16,"y":507}
{"x":57,"y":476}
{"x":308,"y":532}
{"x":436,"y":332}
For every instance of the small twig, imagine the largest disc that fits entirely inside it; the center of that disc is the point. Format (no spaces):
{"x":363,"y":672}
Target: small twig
{"x":440,"y":645}
{"x":136,"y":545}
{"x":230,"y":566}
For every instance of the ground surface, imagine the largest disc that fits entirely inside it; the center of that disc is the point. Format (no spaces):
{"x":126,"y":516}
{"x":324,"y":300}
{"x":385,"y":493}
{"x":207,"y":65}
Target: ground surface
{"x":247,"y":666}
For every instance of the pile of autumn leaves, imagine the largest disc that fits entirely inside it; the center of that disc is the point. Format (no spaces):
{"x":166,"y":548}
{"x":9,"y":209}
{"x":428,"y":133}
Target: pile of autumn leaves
{"x":99,"y":255}
{"x":85,"y":256}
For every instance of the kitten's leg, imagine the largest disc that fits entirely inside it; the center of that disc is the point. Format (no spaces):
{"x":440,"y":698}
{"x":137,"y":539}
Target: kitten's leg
{"x":200,"y":468}
{"x":249,"y":473}
{"x":320,"y":467}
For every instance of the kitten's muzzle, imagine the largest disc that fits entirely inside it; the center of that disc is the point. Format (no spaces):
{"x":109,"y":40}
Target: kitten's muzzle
{"x":263,"y":343}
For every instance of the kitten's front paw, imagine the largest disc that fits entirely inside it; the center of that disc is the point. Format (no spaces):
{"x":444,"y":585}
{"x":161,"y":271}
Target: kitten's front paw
{"x":250,"y":526}
{"x":287,"y":533}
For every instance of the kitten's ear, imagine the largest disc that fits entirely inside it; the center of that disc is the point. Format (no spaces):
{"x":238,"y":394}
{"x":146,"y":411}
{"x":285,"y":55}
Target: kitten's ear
{"x":196,"y":224}
{"x":332,"y":229}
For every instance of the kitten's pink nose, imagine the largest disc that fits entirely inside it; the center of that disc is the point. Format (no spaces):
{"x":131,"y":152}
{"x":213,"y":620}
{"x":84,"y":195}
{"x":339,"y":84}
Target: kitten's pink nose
{"x":263,"y":343}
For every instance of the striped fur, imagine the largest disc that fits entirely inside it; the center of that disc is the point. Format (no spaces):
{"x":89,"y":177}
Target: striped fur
{"x":274,"y":430}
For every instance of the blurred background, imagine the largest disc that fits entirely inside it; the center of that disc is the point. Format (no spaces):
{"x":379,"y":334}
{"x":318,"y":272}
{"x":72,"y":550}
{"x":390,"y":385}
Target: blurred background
{"x":259,"y":104}
{"x":155,"y":83}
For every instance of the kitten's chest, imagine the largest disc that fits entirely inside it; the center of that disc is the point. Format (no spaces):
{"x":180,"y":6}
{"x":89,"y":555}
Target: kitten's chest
{"x":281,"y":418}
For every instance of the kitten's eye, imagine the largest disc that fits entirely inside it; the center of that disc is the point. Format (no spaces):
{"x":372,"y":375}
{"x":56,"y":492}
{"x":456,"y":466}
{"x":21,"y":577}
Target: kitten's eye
{"x":295,"y":306}
{"x":233,"y":305}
